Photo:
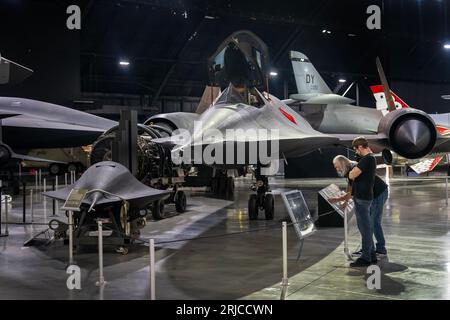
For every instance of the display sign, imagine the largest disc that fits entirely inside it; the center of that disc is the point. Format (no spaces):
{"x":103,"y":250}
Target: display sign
{"x":298,"y":211}
{"x":333,"y":191}
{"x":74,"y":200}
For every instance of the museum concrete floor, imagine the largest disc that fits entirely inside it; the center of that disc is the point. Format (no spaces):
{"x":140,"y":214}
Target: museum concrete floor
{"x":234,"y":258}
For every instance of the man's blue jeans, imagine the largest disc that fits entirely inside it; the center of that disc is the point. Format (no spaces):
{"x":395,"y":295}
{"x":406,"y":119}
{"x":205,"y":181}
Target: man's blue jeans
{"x":376,"y":213}
{"x":363,"y":220}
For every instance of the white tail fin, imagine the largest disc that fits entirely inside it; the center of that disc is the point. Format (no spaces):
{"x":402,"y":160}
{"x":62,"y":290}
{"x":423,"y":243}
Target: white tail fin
{"x":307,"y":78}
{"x":381,"y":102}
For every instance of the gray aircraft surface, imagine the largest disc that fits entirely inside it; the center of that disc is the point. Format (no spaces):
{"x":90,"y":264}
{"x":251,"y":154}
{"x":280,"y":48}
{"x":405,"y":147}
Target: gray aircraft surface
{"x":240,"y":66}
{"x":413,"y":134}
{"x":29,"y":124}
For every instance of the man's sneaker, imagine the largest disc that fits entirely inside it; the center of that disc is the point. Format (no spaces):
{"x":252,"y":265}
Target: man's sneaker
{"x":360,"y":262}
{"x":381,"y":253}
{"x":357,"y":253}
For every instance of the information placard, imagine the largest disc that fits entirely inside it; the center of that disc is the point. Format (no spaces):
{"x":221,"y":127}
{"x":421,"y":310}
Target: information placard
{"x":333,"y":191}
{"x":74,"y":200}
{"x":298,"y":211}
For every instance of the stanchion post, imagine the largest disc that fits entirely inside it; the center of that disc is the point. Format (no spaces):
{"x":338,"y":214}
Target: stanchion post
{"x":40,"y":185}
{"x":346,"y":250}
{"x":285,"y":280}
{"x":31,"y":206}
{"x":56,"y":188}
{"x":101,"y":279}
{"x":24,"y":201}
{"x":70,"y":237}
{"x":0,"y":210}
{"x":53,"y":200}
{"x":6,"y":218}
{"x":36,"y":182}
{"x":65,"y":178}
{"x":446,"y":190}
{"x":45,"y":201}
{"x":152,"y":270}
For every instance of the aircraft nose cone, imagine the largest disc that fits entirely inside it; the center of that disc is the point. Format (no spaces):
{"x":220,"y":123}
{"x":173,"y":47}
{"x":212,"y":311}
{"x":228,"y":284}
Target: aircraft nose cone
{"x":413,"y":136}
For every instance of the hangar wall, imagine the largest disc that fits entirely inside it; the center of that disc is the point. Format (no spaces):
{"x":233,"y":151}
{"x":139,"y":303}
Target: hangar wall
{"x":37,"y":37}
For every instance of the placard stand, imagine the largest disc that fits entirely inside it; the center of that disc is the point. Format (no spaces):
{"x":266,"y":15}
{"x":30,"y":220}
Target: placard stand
{"x":333,"y":191}
{"x":301,"y":217}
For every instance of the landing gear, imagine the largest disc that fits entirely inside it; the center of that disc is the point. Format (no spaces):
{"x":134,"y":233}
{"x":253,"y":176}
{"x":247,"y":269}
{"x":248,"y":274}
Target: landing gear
{"x":253,"y":207}
{"x":180,"y":201}
{"x":222,"y":186}
{"x":262,"y":200}
{"x":158,"y":210}
{"x":269,"y":206}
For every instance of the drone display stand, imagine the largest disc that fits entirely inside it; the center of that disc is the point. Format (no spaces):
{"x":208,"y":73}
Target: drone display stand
{"x":345,"y":214}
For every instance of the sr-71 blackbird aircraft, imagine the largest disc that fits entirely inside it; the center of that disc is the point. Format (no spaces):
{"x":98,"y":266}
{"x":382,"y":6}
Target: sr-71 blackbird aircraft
{"x":240,"y":66}
{"x":30,"y":124}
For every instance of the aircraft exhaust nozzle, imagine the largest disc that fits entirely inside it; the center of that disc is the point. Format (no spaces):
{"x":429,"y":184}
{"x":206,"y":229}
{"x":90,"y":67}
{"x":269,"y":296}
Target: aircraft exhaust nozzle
{"x":411,"y":133}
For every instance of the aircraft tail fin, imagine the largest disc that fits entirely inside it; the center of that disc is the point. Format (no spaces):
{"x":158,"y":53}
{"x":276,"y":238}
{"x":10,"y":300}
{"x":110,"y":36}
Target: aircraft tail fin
{"x":307,"y":78}
{"x":381,"y":102}
{"x":426,"y":165}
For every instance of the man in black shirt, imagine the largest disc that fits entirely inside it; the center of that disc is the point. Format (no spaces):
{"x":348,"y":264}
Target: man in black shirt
{"x":363,"y":177}
{"x":343,"y":167}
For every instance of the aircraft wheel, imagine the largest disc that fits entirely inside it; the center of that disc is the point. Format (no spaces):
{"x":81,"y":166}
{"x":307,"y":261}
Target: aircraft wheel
{"x":269,"y":207}
{"x":252,"y":207}
{"x":55,"y":169}
{"x":72,"y":167}
{"x":229,"y":189}
{"x":158,"y":210}
{"x":180,"y":201}
{"x":214,"y":185}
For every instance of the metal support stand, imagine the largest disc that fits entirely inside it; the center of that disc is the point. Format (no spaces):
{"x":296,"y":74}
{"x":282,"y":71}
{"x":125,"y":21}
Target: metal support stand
{"x":346,"y":250}
{"x":101,"y":280}
{"x":70,"y":237}
{"x":152,"y":269}
{"x":300,"y":250}
{"x":31,"y":206}
{"x":53,"y":200}
{"x":285,"y":280}
{"x":6,"y":214}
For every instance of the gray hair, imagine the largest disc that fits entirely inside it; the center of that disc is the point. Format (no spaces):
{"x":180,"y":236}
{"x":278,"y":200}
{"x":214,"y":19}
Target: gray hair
{"x":345,"y":165}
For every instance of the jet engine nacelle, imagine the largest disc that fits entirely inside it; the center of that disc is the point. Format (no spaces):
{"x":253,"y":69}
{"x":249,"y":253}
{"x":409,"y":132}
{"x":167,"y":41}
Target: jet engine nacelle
{"x":411,"y":133}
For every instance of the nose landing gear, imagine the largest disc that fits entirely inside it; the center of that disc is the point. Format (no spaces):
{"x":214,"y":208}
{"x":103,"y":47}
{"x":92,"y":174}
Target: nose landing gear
{"x":263,"y":200}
